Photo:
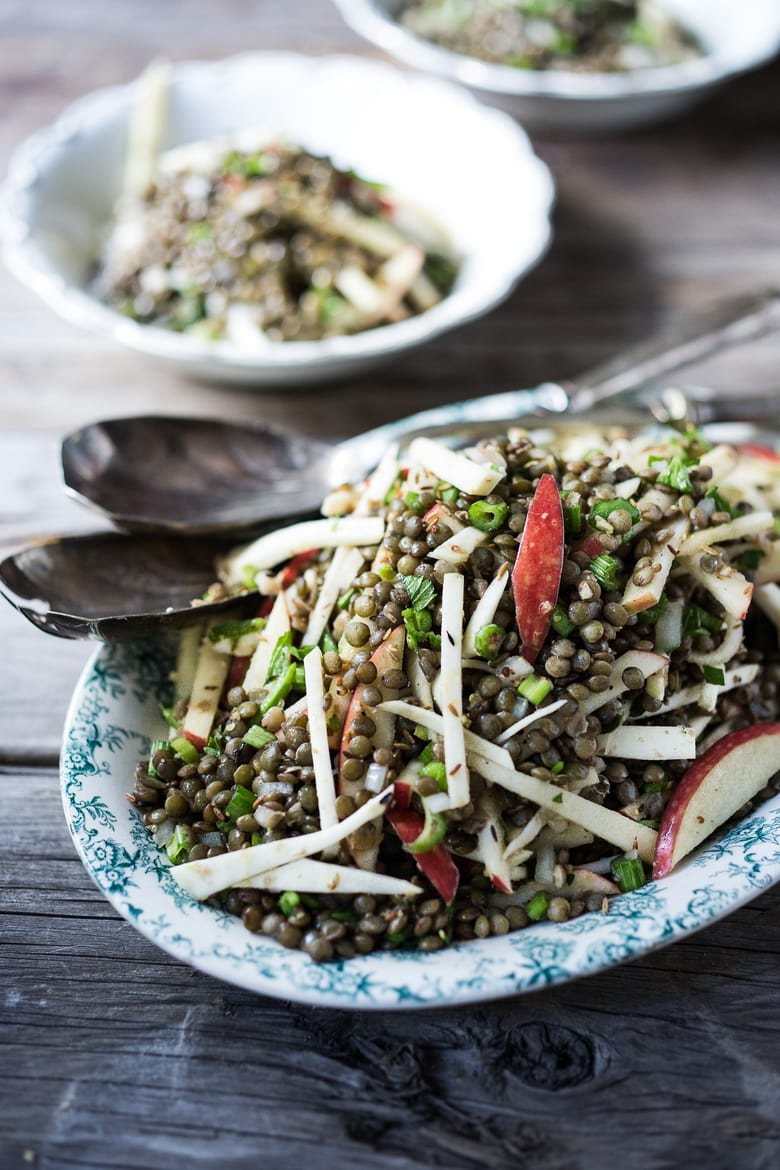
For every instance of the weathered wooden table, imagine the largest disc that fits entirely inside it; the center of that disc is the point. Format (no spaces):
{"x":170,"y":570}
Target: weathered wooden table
{"x":114,"y":1056}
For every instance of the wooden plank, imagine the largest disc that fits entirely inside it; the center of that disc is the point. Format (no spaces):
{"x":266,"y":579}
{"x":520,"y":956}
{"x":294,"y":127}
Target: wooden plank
{"x":126,"y":1059}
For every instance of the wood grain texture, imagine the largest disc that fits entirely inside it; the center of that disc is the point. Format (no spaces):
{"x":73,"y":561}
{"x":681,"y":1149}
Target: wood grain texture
{"x":126,"y":1060}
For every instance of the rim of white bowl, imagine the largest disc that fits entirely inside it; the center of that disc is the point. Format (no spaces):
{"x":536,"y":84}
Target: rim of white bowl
{"x":468,"y":301}
{"x":373,"y":22}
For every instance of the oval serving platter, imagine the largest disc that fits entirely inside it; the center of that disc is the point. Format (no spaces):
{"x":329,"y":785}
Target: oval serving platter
{"x":113,"y":717}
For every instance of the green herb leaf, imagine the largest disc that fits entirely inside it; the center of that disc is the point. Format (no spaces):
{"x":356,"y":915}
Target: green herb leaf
{"x":714,"y":674}
{"x":696,"y":620}
{"x":676,"y":475}
{"x":421,"y":591}
{"x":232,"y":631}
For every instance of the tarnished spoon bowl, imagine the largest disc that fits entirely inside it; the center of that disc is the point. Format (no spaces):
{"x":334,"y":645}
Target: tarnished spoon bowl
{"x":115,"y":588}
{"x":192,"y":475}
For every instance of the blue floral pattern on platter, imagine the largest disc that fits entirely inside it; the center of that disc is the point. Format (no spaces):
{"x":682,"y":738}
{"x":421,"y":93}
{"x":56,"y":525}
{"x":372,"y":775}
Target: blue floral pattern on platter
{"x":113,"y":717}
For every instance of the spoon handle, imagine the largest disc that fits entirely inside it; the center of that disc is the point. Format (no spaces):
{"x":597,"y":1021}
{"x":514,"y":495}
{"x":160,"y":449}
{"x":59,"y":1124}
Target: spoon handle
{"x":731,"y":322}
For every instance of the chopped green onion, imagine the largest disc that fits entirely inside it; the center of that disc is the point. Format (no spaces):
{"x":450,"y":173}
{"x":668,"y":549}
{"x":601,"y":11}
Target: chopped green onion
{"x":412,"y":501}
{"x":714,"y":674}
{"x":258,"y":737}
{"x":186,"y":750}
{"x":561,"y":622}
{"x":572,"y":518}
{"x":698,"y":621}
{"x":386,"y":572}
{"x":241,"y":803}
{"x":659,"y":786}
{"x":432,"y":834}
{"x":629,"y":873}
{"x":178,"y":848}
{"x":328,"y":642}
{"x":232,"y":631}
{"x":215,"y":743}
{"x":159,"y":745}
{"x":257,"y":838}
{"x":283,"y":686}
{"x":419,"y":625}
{"x":449,"y":495}
{"x":289,"y":901}
{"x":649,"y":824}
{"x":421,"y":732}
{"x":280,"y":656}
{"x":421,"y":591}
{"x":534,"y":688}
{"x":344,"y":915}
{"x":605,"y":508}
{"x":426,"y":755}
{"x":604,"y":569}
{"x":537,"y":907}
{"x":169,"y":716}
{"x":438,"y":772}
{"x":346,"y":597}
{"x":248,"y":574}
{"x":488,"y":517}
{"x":488,"y":641}
{"x":557,"y":768}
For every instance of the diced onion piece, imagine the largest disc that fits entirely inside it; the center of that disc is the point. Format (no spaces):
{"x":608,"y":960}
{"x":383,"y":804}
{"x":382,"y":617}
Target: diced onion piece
{"x":320,"y":877}
{"x":648,"y":742}
{"x":275,"y":547}
{"x":203,"y":878}
{"x":457,"y":549}
{"x":485,"y":609}
{"x":278,"y":623}
{"x":340,"y":574}
{"x":602,"y":822}
{"x":527,"y":834}
{"x":640,"y":597}
{"x":527,"y":720}
{"x":628,"y":488}
{"x":210,"y":674}
{"x":318,"y":738}
{"x":360,"y":290}
{"x":452,"y":689}
{"x":729,"y":588}
{"x":751,"y":524}
{"x":476,"y":479}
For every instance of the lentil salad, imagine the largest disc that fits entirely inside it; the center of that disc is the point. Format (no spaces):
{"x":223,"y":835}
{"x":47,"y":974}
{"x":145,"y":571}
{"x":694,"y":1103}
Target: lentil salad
{"x":593,"y":36}
{"x":470,"y":708}
{"x":253,"y":241}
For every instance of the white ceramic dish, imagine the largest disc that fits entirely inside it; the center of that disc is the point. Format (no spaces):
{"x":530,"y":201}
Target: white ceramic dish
{"x":114,"y":716}
{"x":406,"y":131}
{"x":736,"y":37}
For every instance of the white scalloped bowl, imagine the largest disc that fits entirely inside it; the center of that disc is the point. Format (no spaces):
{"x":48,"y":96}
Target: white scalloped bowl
{"x":493,"y":199}
{"x":737,"y":36}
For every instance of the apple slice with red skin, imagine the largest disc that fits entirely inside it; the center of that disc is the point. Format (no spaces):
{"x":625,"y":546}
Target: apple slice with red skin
{"x":536,"y":577}
{"x":437,"y":864}
{"x":389,"y":655}
{"x":758,"y":451}
{"x":716,"y":786}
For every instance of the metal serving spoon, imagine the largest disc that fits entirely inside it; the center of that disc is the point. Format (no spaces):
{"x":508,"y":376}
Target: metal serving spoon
{"x":116,"y":587}
{"x":201,"y":476}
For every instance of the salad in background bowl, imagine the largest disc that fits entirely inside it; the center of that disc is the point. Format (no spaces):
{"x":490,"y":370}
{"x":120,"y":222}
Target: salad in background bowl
{"x":404,"y":132}
{"x":717,"y":39}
